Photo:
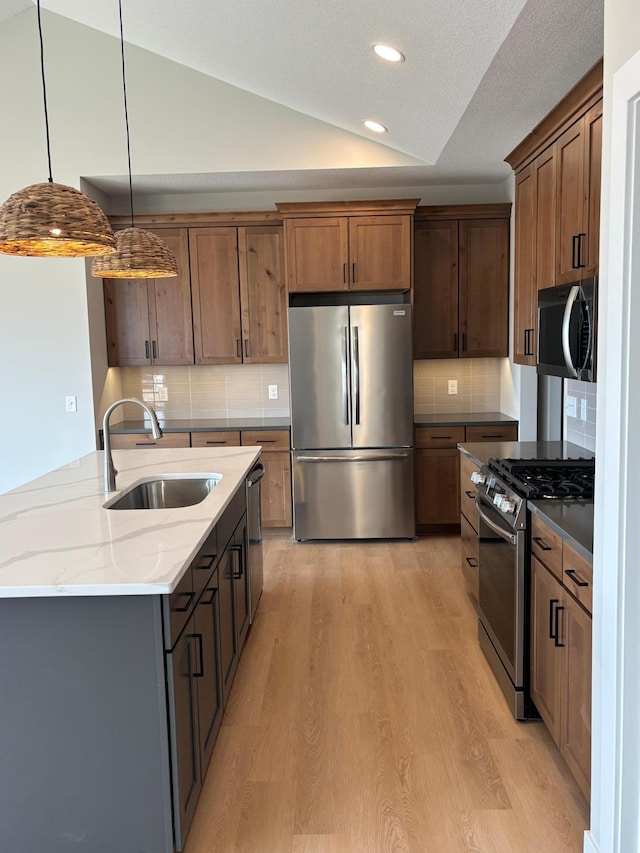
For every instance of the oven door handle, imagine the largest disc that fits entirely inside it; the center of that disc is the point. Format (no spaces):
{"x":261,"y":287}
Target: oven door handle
{"x":502,"y":533}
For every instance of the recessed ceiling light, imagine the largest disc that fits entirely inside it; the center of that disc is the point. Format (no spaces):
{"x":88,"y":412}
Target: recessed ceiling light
{"x":385,"y":51}
{"x":375,"y":126}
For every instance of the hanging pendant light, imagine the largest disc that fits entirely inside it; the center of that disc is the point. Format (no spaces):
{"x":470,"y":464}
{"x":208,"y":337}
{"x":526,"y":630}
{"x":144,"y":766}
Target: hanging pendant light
{"x":139,"y":253}
{"x":49,"y":219}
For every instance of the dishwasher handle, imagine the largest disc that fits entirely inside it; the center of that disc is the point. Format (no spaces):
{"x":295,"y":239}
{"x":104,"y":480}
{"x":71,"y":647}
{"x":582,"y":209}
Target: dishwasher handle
{"x":255,"y":475}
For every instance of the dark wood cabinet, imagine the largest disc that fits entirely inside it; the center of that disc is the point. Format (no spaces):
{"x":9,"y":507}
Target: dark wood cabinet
{"x":338,"y":246}
{"x":239,"y":549}
{"x":228,"y":634}
{"x":461,"y":282}
{"x":561,"y":636}
{"x":149,"y":321}
{"x":557,"y":204}
{"x":210,"y":700}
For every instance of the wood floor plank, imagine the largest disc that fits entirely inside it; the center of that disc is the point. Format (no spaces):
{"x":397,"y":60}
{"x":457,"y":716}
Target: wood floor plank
{"x":365,"y":719}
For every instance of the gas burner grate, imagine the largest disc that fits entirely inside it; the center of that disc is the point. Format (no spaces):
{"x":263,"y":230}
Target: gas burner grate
{"x":547,"y":478}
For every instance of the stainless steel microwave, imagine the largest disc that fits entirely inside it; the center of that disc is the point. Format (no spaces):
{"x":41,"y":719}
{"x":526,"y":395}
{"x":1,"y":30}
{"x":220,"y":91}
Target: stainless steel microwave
{"x":566,"y":330}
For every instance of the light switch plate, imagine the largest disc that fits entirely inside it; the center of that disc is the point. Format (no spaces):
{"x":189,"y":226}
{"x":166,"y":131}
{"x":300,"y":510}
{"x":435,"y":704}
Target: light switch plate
{"x":71,"y":403}
{"x":570,"y":407}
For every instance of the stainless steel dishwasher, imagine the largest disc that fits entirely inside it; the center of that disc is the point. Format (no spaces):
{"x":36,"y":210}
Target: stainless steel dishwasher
{"x":254,"y":525}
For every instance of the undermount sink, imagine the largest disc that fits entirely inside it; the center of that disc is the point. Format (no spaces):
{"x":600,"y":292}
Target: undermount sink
{"x":169,"y":492}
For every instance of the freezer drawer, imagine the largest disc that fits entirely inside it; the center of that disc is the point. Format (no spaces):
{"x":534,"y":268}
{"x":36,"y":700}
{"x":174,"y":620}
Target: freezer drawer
{"x":353,"y":494}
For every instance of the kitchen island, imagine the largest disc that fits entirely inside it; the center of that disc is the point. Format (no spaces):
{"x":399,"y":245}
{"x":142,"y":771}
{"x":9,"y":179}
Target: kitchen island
{"x":121,"y":634}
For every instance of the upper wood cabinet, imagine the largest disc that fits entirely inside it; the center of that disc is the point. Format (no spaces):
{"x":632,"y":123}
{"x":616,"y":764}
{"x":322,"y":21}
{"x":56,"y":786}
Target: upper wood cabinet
{"x":366,"y":247}
{"x":557,"y":204}
{"x":461,"y":282}
{"x":149,"y":320}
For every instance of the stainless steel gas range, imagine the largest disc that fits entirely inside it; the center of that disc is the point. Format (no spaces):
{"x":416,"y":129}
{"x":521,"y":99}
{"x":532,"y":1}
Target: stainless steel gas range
{"x":504,"y":486}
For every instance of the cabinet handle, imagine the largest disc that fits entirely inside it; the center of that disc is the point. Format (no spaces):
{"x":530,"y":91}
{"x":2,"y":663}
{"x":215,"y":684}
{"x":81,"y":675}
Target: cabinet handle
{"x":206,"y":563}
{"x":246,"y":348}
{"x":353,"y":272}
{"x":575,"y":260}
{"x":552,"y":635}
{"x":215,"y":442}
{"x":473,"y":563}
{"x":556,"y":638}
{"x":146,"y":443}
{"x":571,"y":573}
{"x":344,"y":273}
{"x":455,"y":342}
{"x":492,"y":435}
{"x":541,"y":544}
{"x":154,"y":350}
{"x":200,"y":674}
{"x":146,"y":349}
{"x":237,"y":574}
{"x":528,"y":334}
{"x":581,"y":263}
{"x":266,"y":441}
{"x":210,"y":600}
{"x":471,"y":495}
{"x":189,"y":596}
{"x":238,"y":348}
{"x":464,"y":341}
{"x":440,"y":438}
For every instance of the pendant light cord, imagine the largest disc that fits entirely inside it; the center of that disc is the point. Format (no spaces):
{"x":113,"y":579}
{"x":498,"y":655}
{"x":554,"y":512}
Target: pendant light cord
{"x":126,"y":112}
{"x":44,"y":94}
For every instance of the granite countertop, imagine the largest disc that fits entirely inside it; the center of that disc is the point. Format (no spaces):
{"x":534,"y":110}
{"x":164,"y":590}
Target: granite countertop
{"x":482,"y":451}
{"x":572,"y":520}
{"x":202,"y":425}
{"x":463,"y":419}
{"x":57,"y":539}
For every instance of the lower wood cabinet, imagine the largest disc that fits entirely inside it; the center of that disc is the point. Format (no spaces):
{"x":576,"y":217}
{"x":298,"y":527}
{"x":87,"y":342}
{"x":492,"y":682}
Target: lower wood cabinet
{"x":275,"y":501}
{"x":561,"y":669}
{"x":469,"y":555}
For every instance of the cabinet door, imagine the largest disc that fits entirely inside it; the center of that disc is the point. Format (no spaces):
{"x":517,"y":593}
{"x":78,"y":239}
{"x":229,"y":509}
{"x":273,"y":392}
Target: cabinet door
{"x":263,"y":294}
{"x":170,"y":317}
{"x":241,"y":583}
{"x":380,"y":252}
{"x":183,"y":721}
{"x":484,"y":287}
{"x":469,"y":555}
{"x":317,"y":254}
{"x":524,"y":314}
{"x":228,"y":644}
{"x":215,"y":287}
{"x":275,"y":495}
{"x":210,"y":705}
{"x":435,"y":324}
{"x":592,"y":173}
{"x":127,"y":317}
{"x":437,"y":486}
{"x":546,"y":656}
{"x":569,"y":156}
{"x":545,"y":223}
{"x":575,"y":736}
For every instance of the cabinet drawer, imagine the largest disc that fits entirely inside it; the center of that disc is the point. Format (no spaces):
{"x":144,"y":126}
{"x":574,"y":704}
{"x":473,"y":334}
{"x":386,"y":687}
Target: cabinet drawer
{"x":439,"y":436}
{"x":215,"y":439}
{"x":492,"y":432}
{"x":469,"y":555}
{"x":577,"y":576}
{"x":128,"y":441}
{"x":468,"y":490}
{"x":546,"y":545}
{"x":274,"y":439}
{"x":177,"y":608}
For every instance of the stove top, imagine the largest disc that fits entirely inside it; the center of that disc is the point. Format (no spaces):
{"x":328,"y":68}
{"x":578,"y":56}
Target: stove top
{"x":547,"y":478}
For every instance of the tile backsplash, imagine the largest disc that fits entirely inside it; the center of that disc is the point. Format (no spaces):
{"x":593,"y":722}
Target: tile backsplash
{"x":579,"y":431}
{"x":208,"y":391}
{"x":478,"y":385}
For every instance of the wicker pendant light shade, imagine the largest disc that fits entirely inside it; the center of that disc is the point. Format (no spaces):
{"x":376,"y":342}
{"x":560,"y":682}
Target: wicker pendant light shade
{"x":138,"y":254}
{"x":53,"y":220}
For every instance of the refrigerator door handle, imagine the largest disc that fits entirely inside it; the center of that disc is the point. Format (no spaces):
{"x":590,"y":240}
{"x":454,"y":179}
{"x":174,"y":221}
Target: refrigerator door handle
{"x":345,"y":378}
{"x":356,"y":374}
{"x":379,"y":457}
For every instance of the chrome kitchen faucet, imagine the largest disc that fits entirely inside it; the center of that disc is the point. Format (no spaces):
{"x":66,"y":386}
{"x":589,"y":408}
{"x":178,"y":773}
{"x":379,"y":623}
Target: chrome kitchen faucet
{"x":109,"y":470}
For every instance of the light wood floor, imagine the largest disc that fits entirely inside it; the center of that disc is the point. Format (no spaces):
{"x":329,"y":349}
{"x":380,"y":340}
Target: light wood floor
{"x":364,"y":719}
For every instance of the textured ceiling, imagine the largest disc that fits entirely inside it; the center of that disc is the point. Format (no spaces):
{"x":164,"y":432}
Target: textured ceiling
{"x":479,"y":74}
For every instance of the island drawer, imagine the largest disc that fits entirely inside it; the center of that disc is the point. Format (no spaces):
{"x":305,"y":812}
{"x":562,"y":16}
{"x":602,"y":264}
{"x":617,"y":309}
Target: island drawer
{"x":216,"y":439}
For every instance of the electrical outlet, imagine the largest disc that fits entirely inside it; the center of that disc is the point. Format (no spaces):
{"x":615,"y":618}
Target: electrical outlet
{"x":452,"y":386}
{"x":273,"y":392}
{"x":570,"y":407}
{"x":162,"y":393}
{"x":583,"y":410}
{"x":71,"y":403}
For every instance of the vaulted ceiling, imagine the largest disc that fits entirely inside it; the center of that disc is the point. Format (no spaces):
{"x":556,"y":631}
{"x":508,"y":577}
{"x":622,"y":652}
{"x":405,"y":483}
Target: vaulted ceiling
{"x":478,"y":74}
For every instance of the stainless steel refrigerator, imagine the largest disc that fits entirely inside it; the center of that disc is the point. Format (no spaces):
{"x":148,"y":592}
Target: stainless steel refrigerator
{"x":352,"y":421}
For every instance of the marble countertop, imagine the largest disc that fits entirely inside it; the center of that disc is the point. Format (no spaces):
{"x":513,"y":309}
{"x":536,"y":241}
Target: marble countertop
{"x":202,"y":424}
{"x":57,"y":539}
{"x":463,"y":419}
{"x":572,"y":520}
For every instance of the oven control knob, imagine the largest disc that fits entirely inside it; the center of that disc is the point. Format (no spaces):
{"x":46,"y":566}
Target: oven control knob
{"x":498,"y":500}
{"x":508,"y":505}
{"x":478,"y":478}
